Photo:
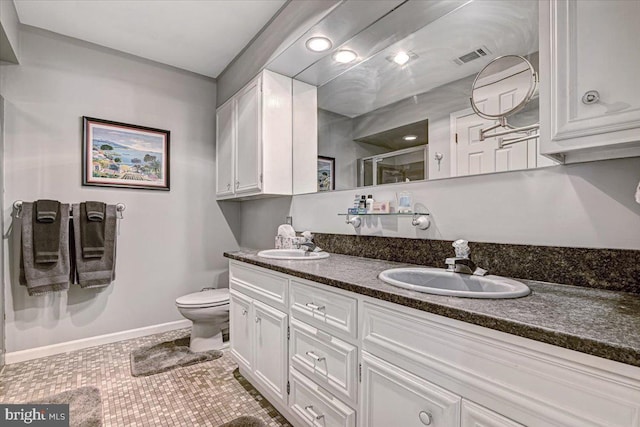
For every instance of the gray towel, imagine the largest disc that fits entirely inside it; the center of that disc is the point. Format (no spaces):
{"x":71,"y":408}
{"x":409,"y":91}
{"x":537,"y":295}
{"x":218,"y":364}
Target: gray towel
{"x":95,"y":211}
{"x":91,"y":232}
{"x":46,"y":210}
{"x":96,"y":272}
{"x":44,"y":278}
{"x":46,"y":231}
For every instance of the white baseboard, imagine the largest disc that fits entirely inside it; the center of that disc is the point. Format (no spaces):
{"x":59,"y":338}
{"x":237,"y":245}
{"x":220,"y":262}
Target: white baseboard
{"x":49,"y":350}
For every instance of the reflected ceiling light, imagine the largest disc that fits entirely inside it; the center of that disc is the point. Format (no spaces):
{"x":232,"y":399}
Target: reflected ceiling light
{"x":401,"y":58}
{"x":410,"y":137}
{"x":318,"y":44}
{"x":344,"y":56}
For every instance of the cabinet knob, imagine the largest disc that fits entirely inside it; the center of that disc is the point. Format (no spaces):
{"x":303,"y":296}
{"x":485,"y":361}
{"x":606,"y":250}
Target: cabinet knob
{"x":591,"y":97}
{"x":313,"y":413}
{"x":425,"y":418}
{"x":237,"y":184}
{"x":229,"y":186}
{"x":258,"y":319}
{"x":244,"y":312}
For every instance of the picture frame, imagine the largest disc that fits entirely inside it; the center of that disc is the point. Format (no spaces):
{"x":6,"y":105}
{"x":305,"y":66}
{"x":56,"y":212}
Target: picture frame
{"x":326,"y":173}
{"x":123,"y":155}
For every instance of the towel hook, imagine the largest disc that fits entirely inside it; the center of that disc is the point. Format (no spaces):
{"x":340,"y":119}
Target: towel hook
{"x":17,"y":205}
{"x":120,"y":207}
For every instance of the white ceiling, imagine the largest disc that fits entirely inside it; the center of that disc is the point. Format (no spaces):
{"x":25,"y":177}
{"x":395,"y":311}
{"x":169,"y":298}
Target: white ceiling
{"x":202,"y":36}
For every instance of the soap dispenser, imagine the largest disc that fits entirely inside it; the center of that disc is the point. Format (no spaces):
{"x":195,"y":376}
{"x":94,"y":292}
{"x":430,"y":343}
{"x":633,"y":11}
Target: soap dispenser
{"x":369,"y":203}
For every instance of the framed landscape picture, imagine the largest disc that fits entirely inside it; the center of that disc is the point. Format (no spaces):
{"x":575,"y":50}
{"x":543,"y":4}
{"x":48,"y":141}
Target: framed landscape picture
{"x":326,"y":173}
{"x":123,"y":155}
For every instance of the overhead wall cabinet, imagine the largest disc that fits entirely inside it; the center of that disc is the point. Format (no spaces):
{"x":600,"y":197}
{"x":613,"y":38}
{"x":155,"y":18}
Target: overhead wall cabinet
{"x":255,"y":138}
{"x":589,"y":55}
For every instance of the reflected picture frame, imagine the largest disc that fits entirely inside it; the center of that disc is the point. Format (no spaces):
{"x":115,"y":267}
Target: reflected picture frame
{"x":123,"y":155}
{"x":326,"y":173}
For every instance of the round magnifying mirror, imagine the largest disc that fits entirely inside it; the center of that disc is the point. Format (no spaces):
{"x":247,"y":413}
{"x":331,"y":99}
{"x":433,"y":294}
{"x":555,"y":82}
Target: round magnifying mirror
{"x":503,"y":87}
{"x":528,"y":115}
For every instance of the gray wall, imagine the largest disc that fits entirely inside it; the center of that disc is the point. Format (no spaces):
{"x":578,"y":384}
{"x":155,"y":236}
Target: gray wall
{"x":260,"y":220}
{"x":170,"y":243}
{"x":581,"y":205}
{"x":2,"y":299}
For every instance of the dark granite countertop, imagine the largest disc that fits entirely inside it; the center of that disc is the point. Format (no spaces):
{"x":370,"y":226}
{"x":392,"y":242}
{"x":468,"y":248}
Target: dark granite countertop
{"x":598,"y":322}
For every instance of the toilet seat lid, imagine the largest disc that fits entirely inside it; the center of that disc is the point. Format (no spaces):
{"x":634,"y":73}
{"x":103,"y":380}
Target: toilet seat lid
{"x":209,"y":297}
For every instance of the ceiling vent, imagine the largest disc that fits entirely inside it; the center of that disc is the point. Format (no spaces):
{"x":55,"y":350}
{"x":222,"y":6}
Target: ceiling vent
{"x":468,"y":57}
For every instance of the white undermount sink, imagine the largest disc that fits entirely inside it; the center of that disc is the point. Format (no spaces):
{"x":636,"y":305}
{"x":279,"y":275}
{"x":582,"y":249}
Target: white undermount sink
{"x":297,"y":254}
{"x":439,"y":281}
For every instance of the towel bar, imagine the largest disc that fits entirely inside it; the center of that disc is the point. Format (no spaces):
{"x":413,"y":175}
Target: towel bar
{"x":120,"y":207}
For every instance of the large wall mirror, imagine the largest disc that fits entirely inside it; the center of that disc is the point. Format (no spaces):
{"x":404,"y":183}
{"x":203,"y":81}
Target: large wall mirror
{"x":394,"y":100}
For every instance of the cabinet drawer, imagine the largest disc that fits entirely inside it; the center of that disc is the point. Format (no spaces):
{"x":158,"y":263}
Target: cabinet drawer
{"x":477,"y":416}
{"x":324,"y":309}
{"x":535,"y":384}
{"x":259,"y":283}
{"x":327,"y":360}
{"x":317,"y":407}
{"x":394,"y":397}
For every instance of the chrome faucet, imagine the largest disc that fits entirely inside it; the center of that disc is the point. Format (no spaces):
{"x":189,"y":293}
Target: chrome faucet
{"x":308,"y":242}
{"x":461,"y":262}
{"x":309,"y":245}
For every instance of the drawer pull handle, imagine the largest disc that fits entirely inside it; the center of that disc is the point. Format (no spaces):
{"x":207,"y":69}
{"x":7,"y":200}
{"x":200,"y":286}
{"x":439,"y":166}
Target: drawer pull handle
{"x":313,"y":413}
{"x":425,"y":418}
{"x":316,"y":307}
{"x":314,"y":356}
{"x":244,"y":312}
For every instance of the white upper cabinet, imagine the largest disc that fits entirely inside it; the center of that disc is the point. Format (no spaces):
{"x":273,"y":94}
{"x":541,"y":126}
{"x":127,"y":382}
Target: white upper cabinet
{"x":225,"y":150}
{"x":589,"y":67}
{"x":248,"y":163}
{"x":254,"y":148}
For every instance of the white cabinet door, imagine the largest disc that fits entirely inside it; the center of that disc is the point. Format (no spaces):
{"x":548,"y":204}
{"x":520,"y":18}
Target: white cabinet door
{"x":394,"y":397}
{"x":249,"y":139}
{"x":271,"y":357}
{"x":474,"y":415}
{"x":241,"y":329}
{"x":593,"y":47}
{"x":225,"y":141}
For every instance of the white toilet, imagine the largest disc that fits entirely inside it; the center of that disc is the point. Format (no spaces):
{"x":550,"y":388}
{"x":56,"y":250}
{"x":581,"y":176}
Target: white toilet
{"x":209,"y":312}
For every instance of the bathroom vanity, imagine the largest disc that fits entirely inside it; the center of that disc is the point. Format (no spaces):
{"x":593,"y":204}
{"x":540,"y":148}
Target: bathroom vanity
{"x":328,"y":344}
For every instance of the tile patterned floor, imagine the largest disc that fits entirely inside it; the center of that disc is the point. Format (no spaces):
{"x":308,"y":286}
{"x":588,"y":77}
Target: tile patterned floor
{"x":205,"y":394}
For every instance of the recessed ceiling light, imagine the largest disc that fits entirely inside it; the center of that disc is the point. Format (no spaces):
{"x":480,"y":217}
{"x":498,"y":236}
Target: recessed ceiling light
{"x":410,"y":137}
{"x":401,"y":58}
{"x":344,"y":56}
{"x":318,"y":44}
